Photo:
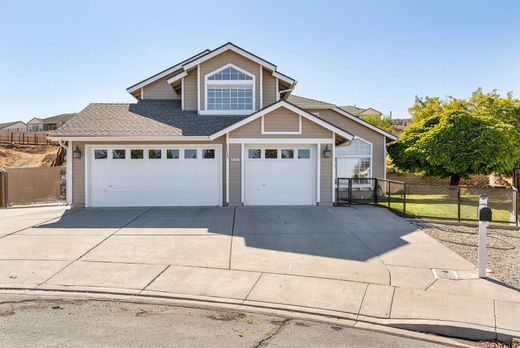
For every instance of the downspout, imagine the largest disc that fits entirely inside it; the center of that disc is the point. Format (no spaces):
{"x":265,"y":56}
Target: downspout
{"x":287,"y":90}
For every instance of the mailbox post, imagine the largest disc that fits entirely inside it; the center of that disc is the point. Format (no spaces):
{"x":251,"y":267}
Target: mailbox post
{"x":484,"y":217}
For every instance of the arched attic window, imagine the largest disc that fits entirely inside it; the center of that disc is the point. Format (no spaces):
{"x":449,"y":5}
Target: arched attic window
{"x":230,"y":90}
{"x":355,"y":161}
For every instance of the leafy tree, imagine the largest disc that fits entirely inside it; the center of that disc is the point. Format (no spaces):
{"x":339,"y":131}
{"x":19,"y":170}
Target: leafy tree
{"x":457,"y":138}
{"x":382,"y":122}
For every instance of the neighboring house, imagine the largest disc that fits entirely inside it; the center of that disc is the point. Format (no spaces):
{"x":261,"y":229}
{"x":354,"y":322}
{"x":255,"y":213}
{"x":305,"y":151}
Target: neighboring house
{"x":13,"y":127}
{"x":357,"y":111}
{"x":220,"y":128}
{"x":49,"y":123}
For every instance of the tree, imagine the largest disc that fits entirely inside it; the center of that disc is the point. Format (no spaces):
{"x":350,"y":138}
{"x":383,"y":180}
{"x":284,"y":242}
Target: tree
{"x":382,"y":122}
{"x":457,"y":138}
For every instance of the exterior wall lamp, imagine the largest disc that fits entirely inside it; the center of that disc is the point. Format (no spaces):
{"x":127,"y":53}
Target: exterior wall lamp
{"x":76,"y":153}
{"x":327,"y":153}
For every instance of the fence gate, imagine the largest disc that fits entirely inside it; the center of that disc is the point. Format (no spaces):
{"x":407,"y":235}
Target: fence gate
{"x":33,"y":185}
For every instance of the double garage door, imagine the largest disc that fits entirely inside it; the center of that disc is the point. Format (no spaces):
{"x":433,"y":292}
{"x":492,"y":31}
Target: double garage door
{"x":191,"y":175}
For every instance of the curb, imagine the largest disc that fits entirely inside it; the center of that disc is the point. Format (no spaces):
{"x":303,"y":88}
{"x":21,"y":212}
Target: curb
{"x":414,"y":327}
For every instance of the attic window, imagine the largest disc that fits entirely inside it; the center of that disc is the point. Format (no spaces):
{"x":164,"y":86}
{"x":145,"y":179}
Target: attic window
{"x":230,"y":74}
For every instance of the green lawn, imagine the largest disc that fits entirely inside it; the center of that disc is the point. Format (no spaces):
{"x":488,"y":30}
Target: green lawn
{"x":442,"y":206}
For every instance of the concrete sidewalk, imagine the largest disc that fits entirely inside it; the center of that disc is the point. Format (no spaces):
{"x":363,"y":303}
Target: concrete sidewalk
{"x":360,"y":264}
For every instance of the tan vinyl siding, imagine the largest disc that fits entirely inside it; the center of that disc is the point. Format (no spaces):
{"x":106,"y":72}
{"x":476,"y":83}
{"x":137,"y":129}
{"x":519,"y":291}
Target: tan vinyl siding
{"x":235,"y":176}
{"x":309,"y":130}
{"x":269,"y":87}
{"x":160,"y":89}
{"x":190,"y":90}
{"x":78,"y":177}
{"x":325,"y":178}
{"x":78,"y":167}
{"x":377,"y":140}
{"x":281,"y":120}
{"x":236,"y":59}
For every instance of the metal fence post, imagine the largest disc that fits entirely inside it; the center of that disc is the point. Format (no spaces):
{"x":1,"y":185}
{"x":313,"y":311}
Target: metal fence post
{"x":388,"y":193}
{"x":458,"y":203}
{"x":375,"y":192}
{"x":404,"y":199}
{"x":349,"y":192}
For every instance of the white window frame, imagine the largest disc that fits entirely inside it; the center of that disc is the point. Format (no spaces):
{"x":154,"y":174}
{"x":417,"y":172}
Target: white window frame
{"x":370,"y":169}
{"x":208,"y":83}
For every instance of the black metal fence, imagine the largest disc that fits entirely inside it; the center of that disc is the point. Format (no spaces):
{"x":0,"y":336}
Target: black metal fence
{"x":443,"y":202}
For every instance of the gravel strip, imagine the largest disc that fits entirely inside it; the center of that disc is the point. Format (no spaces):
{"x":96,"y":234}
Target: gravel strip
{"x":503,"y":248}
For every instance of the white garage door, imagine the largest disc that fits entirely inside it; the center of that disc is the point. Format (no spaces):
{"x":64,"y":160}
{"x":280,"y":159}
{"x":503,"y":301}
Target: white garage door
{"x":280,"y":175}
{"x":154,"y":175}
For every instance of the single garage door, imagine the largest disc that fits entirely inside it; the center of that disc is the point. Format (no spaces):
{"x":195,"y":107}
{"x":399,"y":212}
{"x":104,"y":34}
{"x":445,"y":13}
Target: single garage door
{"x":152,"y":175}
{"x":280,"y":175}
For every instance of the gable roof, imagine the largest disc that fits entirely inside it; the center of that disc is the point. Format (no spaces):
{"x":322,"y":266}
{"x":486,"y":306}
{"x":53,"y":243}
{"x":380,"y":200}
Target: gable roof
{"x":37,"y":119}
{"x":357,"y":111}
{"x":291,"y":107}
{"x":308,"y":103}
{"x":59,"y":118}
{"x":146,"y":118}
{"x":208,"y":54}
{"x":7,"y":124}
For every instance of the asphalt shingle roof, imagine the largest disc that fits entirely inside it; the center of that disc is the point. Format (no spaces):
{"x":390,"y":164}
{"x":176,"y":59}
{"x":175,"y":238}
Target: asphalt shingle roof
{"x":7,"y":124}
{"x":144,"y":118}
{"x":59,"y":118}
{"x":303,"y":102}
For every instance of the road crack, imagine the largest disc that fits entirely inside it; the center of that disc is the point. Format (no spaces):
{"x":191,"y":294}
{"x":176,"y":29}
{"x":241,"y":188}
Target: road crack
{"x":279,"y":328}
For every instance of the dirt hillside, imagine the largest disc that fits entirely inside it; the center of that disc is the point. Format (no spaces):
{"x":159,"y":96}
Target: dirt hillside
{"x":25,"y":156}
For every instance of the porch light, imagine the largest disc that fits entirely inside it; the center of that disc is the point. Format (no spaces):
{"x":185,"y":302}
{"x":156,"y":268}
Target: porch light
{"x":327,"y":153}
{"x":76,"y":153}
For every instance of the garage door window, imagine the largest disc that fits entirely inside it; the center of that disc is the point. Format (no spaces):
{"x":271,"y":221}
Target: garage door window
{"x":255,"y":153}
{"x":208,"y":153}
{"x":190,"y":154}
{"x":136,"y":154}
{"x":118,"y":154}
{"x":304,"y":153}
{"x":172,"y":154}
{"x":154,"y":154}
{"x":287,"y":153}
{"x":100,"y":154}
{"x":271,"y":153}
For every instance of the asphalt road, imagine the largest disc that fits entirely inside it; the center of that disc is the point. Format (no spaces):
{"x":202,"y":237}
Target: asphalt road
{"x":93,"y":323}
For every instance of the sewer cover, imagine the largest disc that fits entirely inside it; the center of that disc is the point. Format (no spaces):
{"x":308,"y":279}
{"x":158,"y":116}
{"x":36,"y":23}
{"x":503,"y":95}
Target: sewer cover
{"x":445,"y":274}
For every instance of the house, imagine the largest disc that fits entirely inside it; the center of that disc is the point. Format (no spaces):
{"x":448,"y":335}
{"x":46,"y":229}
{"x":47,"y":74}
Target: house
{"x":48,"y":124}
{"x":221,"y":128}
{"x":13,"y":127}
{"x":357,"y":111}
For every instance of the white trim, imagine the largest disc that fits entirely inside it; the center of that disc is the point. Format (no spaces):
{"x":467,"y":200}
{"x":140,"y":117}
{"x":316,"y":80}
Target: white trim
{"x":198,"y":88}
{"x":208,"y":83}
{"x":88,"y":159}
{"x":242,"y":159}
{"x":333,"y":168}
{"x":318,"y":174}
{"x":182,"y":93}
{"x":162,"y":74}
{"x":70,"y":159}
{"x":142,"y":93}
{"x":177,"y":77}
{"x":279,"y":104}
{"x":366,"y":124}
{"x":298,"y":132}
{"x":277,"y":96}
{"x":283,"y":77}
{"x":148,"y":138}
{"x":279,"y":141}
{"x":229,"y":46}
{"x":227,"y":168}
{"x":261,"y":94}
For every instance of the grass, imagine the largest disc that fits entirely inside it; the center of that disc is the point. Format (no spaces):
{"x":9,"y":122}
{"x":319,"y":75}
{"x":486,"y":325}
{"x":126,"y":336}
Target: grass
{"x":444,"y":207}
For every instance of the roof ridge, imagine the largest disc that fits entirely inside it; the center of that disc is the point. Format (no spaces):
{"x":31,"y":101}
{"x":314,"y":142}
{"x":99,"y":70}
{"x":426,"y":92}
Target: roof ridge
{"x":316,"y":100}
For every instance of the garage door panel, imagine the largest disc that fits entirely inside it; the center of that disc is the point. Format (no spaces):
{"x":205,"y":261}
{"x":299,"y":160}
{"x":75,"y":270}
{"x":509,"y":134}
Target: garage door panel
{"x":280,"y":181}
{"x":154,"y":182}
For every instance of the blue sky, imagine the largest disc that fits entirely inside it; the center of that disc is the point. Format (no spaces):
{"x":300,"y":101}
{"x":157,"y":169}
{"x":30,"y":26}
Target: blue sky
{"x":58,"y":56}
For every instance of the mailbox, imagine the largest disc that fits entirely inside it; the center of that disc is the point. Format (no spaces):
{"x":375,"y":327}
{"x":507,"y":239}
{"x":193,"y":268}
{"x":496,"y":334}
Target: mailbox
{"x":484,"y":212}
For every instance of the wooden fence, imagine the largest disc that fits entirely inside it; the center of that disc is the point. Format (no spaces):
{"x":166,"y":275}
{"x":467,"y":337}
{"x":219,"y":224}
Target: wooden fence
{"x":33,"y":138}
{"x":22,"y":186}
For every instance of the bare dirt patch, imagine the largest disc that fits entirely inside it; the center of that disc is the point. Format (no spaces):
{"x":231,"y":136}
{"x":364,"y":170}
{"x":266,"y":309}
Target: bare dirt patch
{"x":503,"y":248}
{"x":27,"y":156}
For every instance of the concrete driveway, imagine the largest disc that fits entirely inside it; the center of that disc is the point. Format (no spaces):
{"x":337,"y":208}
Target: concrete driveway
{"x":360,"y":262}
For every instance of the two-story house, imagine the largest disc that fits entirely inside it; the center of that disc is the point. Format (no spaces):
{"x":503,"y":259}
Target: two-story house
{"x":220,"y":128}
